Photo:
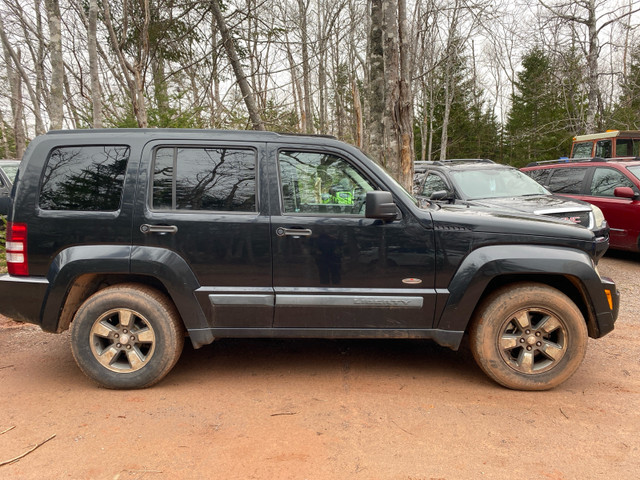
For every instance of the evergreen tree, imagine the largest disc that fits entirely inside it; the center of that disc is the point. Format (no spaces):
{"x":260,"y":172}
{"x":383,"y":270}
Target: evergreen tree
{"x":536,"y":125}
{"x":626,"y":114}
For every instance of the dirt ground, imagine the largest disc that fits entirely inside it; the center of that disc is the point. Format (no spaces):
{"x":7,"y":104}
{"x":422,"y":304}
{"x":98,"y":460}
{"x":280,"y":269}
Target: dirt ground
{"x":294,"y":409}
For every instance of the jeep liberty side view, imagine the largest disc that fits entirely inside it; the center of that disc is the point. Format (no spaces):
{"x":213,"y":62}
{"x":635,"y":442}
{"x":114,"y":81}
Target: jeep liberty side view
{"x":135,"y":239}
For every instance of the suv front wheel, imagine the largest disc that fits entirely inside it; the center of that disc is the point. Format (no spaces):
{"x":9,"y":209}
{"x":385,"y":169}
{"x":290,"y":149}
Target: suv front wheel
{"x":127,"y":336}
{"x":528,"y":336}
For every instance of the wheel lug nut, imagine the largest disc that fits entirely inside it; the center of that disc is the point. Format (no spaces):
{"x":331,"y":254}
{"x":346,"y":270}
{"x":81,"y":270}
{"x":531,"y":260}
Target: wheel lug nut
{"x":117,"y":335}
{"x":527,"y":332}
{"x":128,"y":347}
{"x":522,"y":340}
{"x":118,"y":345}
{"x":124,"y":331}
{"x":538,"y":344}
{"x":529,"y":347}
{"x":538,"y":334}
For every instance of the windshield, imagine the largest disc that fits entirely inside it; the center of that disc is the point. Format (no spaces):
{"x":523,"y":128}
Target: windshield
{"x":476,"y":184}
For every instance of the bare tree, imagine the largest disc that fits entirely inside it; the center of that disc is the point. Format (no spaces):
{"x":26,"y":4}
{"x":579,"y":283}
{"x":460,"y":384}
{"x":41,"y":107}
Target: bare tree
{"x":583,"y":13}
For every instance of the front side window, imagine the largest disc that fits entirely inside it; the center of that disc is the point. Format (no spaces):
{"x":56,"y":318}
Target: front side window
{"x":321,"y":183}
{"x":433,"y":183}
{"x":606,"y":180}
{"x":582,"y":150}
{"x":84,"y":178}
{"x":567,"y":180}
{"x":209,"y":179}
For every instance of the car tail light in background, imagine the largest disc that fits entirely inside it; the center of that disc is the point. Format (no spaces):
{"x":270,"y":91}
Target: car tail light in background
{"x":16,"y":247}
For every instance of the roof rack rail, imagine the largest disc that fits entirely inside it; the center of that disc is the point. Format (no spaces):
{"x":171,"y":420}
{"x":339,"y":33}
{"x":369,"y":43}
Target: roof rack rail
{"x":421,"y":163}
{"x":571,"y":160}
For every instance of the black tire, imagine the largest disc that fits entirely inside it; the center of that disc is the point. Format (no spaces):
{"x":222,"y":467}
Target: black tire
{"x":127,"y":336}
{"x":528,"y":336}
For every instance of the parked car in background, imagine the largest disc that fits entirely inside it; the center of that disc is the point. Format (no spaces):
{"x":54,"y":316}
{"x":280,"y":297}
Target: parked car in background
{"x":609,"y":144}
{"x":8,"y":172}
{"x":611,"y":184}
{"x":484,"y":183}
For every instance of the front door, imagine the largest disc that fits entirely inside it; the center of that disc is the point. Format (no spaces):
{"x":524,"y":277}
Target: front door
{"x":332,"y":267}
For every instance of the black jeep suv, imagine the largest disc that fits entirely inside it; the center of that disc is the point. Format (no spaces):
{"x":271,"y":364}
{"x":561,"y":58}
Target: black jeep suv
{"x":134,"y":238}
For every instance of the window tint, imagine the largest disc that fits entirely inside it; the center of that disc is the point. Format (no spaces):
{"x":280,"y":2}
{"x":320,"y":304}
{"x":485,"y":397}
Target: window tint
{"x":567,"y":180}
{"x":86,"y":178}
{"x":582,"y":149}
{"x":433,"y":183}
{"x":321,"y":183}
{"x":606,"y":180}
{"x":212,"y":179}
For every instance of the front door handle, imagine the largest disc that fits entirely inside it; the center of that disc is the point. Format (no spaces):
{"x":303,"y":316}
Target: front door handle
{"x":293,"y":232}
{"x":146,"y":228}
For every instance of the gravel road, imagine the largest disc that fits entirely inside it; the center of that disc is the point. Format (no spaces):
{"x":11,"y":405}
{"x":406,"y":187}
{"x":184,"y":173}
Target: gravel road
{"x":318,"y":409}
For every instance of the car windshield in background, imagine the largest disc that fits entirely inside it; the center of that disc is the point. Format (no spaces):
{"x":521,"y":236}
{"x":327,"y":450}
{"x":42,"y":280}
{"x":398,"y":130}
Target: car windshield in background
{"x":11,"y":172}
{"x":476,"y":184}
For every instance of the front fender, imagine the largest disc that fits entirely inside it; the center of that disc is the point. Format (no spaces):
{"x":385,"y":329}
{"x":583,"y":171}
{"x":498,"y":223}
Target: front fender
{"x":485,"y":264}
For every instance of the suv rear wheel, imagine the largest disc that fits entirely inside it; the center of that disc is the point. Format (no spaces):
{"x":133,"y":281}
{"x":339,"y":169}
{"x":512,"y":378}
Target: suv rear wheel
{"x":528,"y":336}
{"x":127,"y":336}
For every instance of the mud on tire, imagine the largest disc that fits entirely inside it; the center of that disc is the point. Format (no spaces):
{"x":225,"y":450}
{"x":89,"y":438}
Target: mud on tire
{"x":528,"y":336}
{"x":127,"y":336}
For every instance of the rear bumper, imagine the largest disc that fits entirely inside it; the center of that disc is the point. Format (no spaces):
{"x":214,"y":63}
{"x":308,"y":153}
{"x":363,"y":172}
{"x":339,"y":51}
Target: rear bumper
{"x":21,"y":298}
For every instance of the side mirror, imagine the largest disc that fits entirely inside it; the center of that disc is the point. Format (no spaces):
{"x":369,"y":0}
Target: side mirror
{"x":624,"y":192}
{"x":440,"y":195}
{"x":380,"y":205}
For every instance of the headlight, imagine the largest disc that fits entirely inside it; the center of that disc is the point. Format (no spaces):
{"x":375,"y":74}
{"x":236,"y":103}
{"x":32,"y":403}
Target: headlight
{"x":598,"y":216}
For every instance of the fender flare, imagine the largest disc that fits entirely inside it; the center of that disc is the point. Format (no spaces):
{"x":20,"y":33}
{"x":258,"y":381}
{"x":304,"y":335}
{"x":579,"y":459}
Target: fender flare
{"x":485,"y":264}
{"x":164,"y":265}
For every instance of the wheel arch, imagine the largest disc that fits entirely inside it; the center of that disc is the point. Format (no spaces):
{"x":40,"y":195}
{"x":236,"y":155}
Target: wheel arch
{"x":78,"y":272}
{"x":489,"y":268}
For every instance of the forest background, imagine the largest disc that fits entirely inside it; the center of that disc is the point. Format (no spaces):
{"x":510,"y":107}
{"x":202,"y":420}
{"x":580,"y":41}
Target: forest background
{"x":403,"y":80}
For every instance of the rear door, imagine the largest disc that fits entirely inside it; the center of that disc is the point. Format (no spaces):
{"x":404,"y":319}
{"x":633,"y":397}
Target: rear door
{"x":202,"y":202}
{"x":332,"y":267}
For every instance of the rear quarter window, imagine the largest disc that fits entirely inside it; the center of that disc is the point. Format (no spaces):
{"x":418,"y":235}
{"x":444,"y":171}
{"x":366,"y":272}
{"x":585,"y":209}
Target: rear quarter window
{"x":84,"y":178}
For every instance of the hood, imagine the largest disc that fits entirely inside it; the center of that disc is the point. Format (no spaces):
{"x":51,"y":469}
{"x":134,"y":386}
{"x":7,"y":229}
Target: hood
{"x":538,"y":204}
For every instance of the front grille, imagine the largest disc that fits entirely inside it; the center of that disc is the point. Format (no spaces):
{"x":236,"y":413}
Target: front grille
{"x":581,"y":218}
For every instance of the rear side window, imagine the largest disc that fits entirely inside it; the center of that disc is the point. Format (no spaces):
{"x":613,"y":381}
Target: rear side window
{"x":539,"y":175}
{"x":567,"y":180}
{"x":84,"y":178}
{"x":209,"y":179}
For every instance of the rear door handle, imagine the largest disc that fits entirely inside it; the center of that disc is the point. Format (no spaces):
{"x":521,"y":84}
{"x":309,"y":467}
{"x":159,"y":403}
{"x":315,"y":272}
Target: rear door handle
{"x":146,"y":228}
{"x":293,"y":232}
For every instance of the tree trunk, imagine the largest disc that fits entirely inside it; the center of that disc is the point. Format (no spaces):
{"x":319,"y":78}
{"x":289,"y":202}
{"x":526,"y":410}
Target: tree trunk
{"x":376,"y":84}
{"x":230,"y":48}
{"x":56,"y":98}
{"x":306,"y":69}
{"x":96,"y":91}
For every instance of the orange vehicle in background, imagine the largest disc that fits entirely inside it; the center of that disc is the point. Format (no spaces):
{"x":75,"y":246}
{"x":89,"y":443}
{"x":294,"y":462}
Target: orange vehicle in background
{"x":610,"y":144}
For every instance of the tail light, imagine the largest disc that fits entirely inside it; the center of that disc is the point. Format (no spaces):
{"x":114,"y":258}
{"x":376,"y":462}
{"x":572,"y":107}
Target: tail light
{"x":16,"y":247}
